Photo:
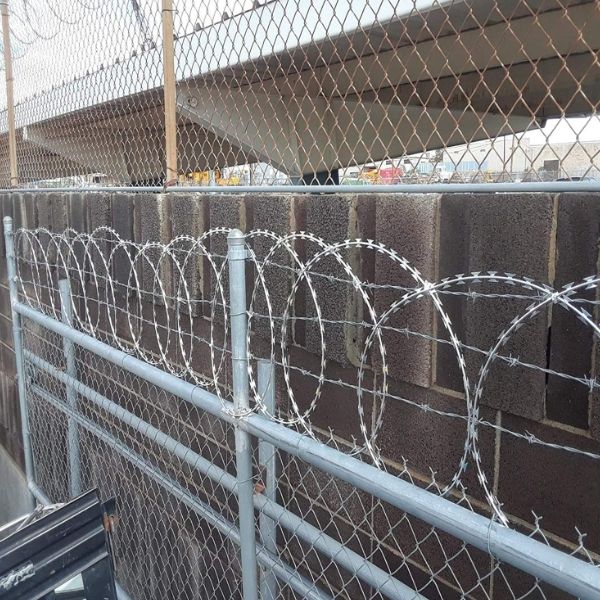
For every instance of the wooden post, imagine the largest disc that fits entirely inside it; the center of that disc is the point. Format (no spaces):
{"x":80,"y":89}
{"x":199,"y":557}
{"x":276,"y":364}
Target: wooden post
{"x":171,"y":172}
{"x":10,"y":100}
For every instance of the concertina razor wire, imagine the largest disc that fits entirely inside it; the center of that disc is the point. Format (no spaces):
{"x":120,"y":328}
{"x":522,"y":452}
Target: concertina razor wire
{"x":168,"y":305}
{"x":280,"y":92}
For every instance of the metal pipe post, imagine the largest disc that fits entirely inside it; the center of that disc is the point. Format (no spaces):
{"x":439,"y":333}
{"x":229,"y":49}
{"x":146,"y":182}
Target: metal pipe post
{"x":170,"y":93}
{"x":11,"y":271}
{"x":10,"y":99}
{"x":64,"y":288}
{"x":268,"y":464}
{"x":236,"y":256}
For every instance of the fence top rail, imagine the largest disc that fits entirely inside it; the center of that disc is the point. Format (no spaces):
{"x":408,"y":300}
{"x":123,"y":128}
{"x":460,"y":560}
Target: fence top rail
{"x":401,"y":188}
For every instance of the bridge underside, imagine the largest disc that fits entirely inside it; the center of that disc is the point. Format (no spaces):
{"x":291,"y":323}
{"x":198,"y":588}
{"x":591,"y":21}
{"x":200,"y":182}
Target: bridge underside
{"x":304,"y":114}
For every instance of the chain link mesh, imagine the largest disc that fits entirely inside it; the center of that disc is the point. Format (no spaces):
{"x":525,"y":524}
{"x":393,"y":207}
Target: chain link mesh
{"x":177,"y":534}
{"x":306,"y":91}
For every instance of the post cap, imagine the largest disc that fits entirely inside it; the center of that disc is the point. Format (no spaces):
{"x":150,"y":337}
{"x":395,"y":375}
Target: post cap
{"x":236,"y":238}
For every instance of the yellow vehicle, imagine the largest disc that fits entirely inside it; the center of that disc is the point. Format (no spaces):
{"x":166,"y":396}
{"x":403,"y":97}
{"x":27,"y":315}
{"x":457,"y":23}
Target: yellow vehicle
{"x":206,"y":177}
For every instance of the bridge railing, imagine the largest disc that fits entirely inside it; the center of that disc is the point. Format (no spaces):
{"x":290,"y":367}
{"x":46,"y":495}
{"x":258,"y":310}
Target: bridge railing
{"x":359,"y":93}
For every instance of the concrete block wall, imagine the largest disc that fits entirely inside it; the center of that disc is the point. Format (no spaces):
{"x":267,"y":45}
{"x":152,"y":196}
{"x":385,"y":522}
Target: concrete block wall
{"x":552,"y":239}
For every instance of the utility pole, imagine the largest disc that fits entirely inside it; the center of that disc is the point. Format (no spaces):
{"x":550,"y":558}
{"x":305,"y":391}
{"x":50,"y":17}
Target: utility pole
{"x":171,"y":172}
{"x":10,"y":99}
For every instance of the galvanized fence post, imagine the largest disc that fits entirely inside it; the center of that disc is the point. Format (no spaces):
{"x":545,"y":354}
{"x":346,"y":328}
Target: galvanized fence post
{"x":11,"y":271}
{"x":236,"y":256}
{"x":268,"y":464}
{"x":64,"y":288}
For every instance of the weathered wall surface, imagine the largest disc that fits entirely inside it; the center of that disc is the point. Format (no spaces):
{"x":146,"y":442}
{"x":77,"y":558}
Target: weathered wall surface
{"x":551,"y":238}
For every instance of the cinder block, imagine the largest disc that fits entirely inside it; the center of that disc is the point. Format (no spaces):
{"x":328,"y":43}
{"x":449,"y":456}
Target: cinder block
{"x":77,"y":216}
{"x":44,"y":210}
{"x":231,"y":211}
{"x":433,"y":442}
{"x":52,"y":215}
{"x":336,"y":218}
{"x":281,"y":215}
{"x":406,"y":223}
{"x":437,"y":557}
{"x":59,"y":210}
{"x":187,"y":215}
{"x":504,"y":233}
{"x":150,"y":226}
{"x":337,"y":408}
{"x":98,"y":209}
{"x":7,"y":355}
{"x":572,"y":344}
{"x":5,"y":308}
{"x":560,"y":486}
{"x":122,"y":218}
{"x":6,"y":210}
{"x":122,"y":222}
{"x":24,"y":210}
{"x":6,"y":330}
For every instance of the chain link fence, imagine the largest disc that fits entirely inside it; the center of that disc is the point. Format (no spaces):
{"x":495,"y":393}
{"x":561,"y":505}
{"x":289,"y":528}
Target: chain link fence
{"x":290,"y":92}
{"x":354,"y":484}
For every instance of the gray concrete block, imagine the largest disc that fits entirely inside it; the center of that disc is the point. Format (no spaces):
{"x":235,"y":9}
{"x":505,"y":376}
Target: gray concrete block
{"x":15,"y":498}
{"x":6,"y":210}
{"x":336,"y":218}
{"x":150,"y":226}
{"x":572,"y":344}
{"x":98,"y":214}
{"x":122,"y":219}
{"x":77,"y":217}
{"x":406,"y":223}
{"x":231,"y":211}
{"x":506,"y":233}
{"x":24,"y":213}
{"x":59,"y":211}
{"x":281,"y":215}
{"x":5,"y":308}
{"x":187,"y":215}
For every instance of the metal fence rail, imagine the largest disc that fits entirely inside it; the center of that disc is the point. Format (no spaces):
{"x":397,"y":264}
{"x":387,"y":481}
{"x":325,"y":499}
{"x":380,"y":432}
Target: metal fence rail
{"x":299,"y":92}
{"x":182,"y":396}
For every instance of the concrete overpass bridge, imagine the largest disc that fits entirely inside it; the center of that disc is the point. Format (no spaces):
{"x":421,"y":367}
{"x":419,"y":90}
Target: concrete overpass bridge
{"x":310,"y":86}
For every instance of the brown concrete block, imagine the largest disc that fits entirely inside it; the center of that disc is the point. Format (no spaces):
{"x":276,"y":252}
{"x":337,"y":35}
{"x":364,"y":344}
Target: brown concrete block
{"x":510,"y":582}
{"x":341,"y":511}
{"x":571,"y":341}
{"x":337,"y":406}
{"x":406,"y":223}
{"x":561,"y":487}
{"x":335,"y":218}
{"x":432,"y":442}
{"x":441,"y":566}
{"x":505,"y":233}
